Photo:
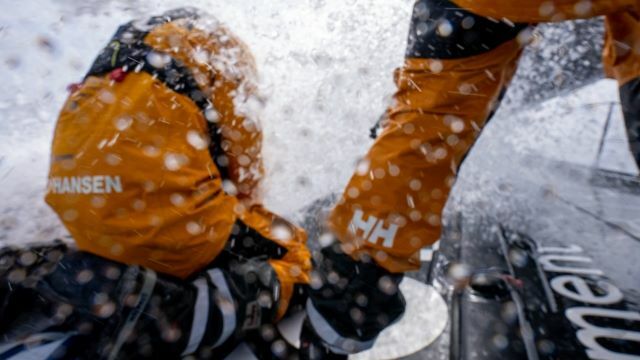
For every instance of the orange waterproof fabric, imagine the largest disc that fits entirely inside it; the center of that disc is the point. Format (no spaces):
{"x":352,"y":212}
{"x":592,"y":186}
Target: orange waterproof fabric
{"x":226,"y":59}
{"x":622,"y":48}
{"x":536,"y":11}
{"x":393,"y":204}
{"x":407,"y":175}
{"x":131,"y":174}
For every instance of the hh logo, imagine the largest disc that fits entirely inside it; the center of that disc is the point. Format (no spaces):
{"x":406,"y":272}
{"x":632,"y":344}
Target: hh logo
{"x":373,"y":229}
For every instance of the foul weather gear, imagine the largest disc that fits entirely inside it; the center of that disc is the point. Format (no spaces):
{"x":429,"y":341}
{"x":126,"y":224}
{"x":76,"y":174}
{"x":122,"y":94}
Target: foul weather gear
{"x":461,"y":57}
{"x":156,"y":158}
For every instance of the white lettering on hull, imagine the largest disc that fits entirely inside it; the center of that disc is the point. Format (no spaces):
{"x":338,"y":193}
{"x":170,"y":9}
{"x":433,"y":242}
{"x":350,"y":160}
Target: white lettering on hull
{"x":589,"y":333}
{"x":550,"y":263}
{"x":576,"y":288}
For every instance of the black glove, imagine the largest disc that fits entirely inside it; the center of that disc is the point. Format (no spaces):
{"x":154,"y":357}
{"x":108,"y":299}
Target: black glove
{"x":312,"y":347}
{"x":350,"y":303}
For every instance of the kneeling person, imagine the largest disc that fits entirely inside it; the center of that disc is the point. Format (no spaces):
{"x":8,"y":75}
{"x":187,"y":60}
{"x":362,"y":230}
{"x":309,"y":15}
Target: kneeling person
{"x":156,"y":162}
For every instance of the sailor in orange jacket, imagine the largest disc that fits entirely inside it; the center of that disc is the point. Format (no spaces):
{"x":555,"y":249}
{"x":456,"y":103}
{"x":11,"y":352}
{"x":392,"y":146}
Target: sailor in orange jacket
{"x":461,"y":57}
{"x":156,"y":161}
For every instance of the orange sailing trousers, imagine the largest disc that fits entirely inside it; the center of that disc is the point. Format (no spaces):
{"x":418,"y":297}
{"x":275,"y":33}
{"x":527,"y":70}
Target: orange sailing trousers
{"x":461,"y":57}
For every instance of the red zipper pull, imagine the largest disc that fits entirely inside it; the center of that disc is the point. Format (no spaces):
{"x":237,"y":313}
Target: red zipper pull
{"x":74,"y":87}
{"x":118,"y":75}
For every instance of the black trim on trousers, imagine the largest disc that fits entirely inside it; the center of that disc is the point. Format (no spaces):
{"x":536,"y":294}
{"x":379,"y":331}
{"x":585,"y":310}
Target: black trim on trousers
{"x":442,"y":30}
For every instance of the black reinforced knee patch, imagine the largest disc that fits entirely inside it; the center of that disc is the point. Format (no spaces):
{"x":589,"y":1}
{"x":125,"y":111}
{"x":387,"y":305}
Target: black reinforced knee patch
{"x":442,"y":30}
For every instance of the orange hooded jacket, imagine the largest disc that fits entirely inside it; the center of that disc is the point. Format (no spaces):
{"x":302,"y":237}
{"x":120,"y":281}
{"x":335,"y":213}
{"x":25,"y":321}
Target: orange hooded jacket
{"x":156,"y":158}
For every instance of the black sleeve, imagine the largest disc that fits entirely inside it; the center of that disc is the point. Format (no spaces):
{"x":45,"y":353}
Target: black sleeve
{"x":129,"y":312}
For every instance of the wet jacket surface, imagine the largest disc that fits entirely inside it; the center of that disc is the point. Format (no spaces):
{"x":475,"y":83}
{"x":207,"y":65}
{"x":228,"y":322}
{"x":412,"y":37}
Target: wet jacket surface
{"x":156,"y":158}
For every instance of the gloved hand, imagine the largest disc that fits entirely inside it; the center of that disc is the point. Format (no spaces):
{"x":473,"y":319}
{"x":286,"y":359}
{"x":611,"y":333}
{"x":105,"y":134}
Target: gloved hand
{"x":312,"y":346}
{"x":350,"y":303}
